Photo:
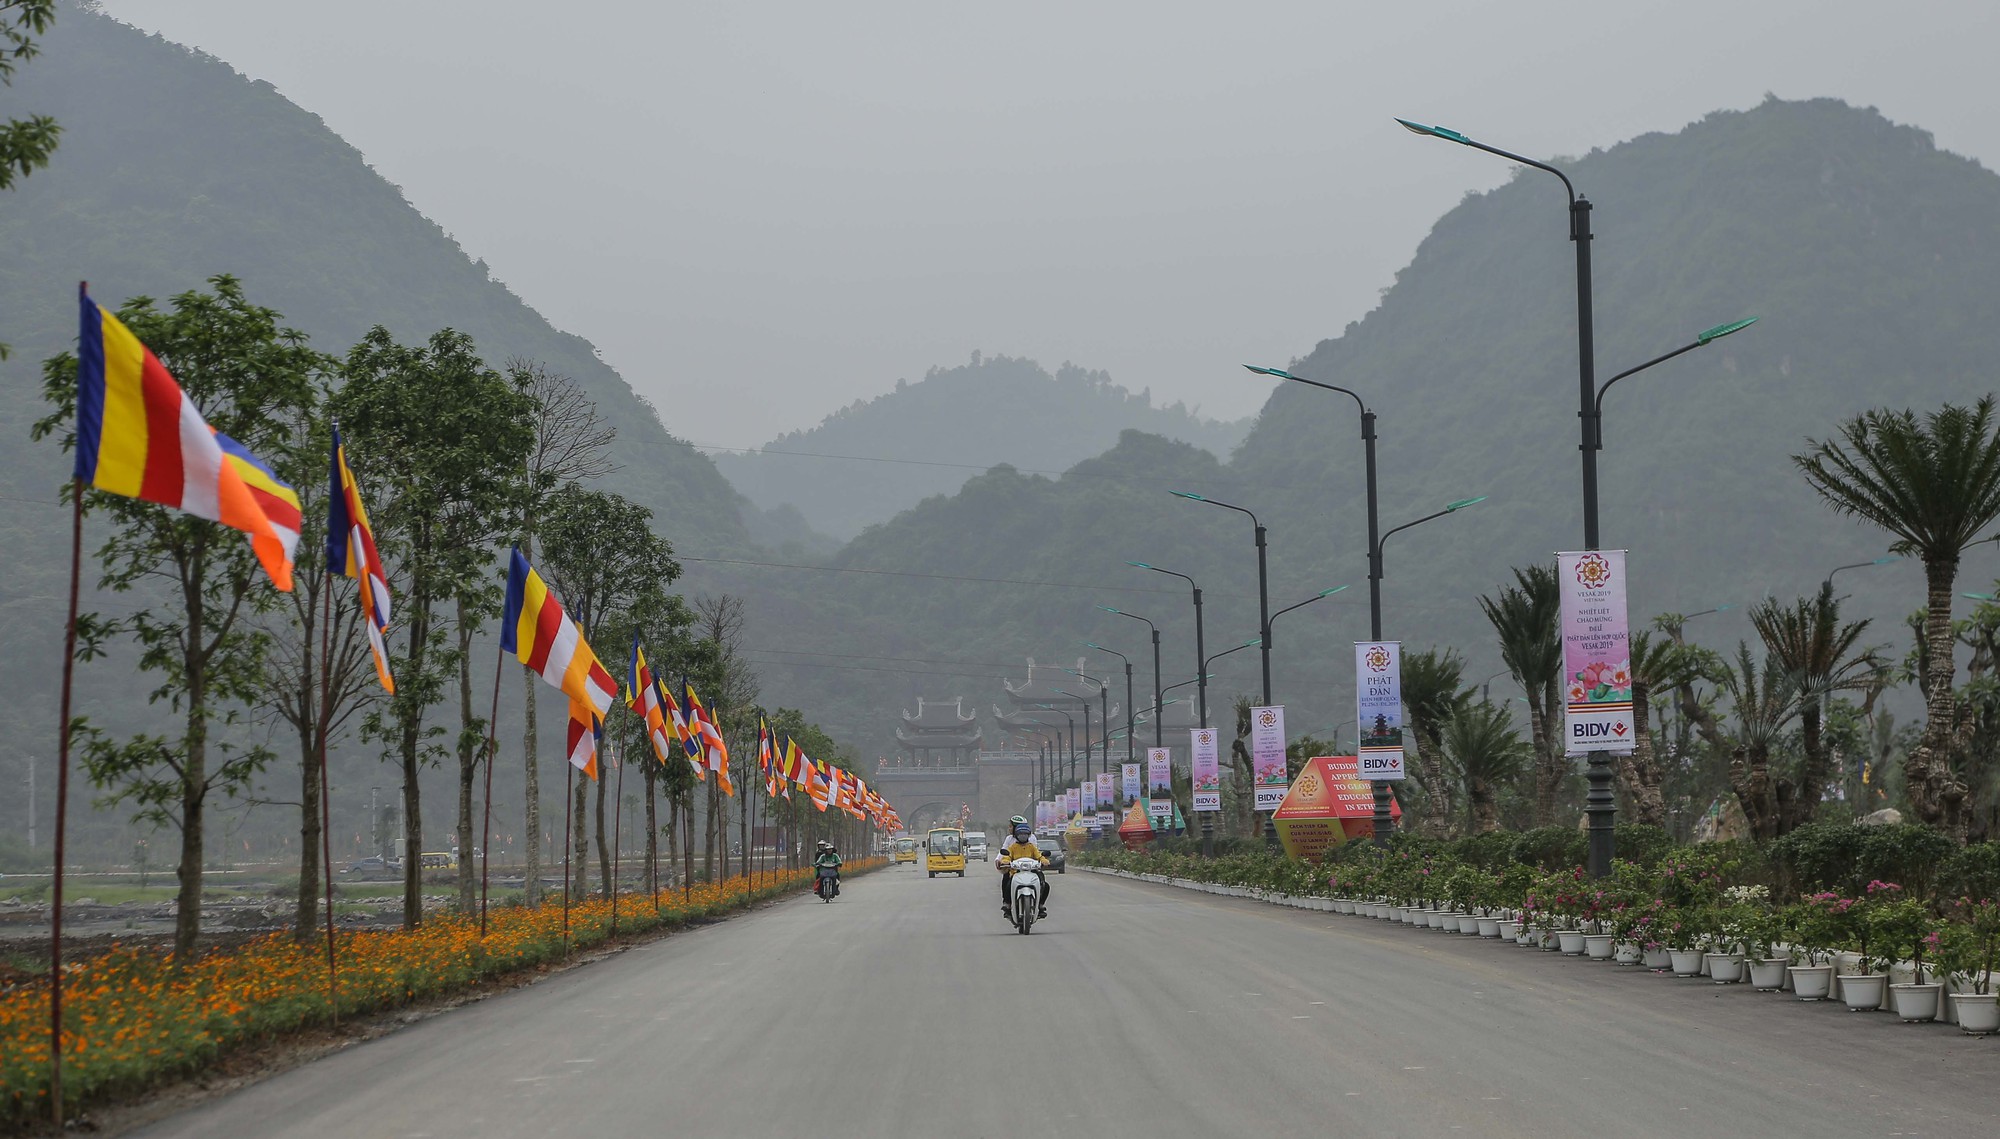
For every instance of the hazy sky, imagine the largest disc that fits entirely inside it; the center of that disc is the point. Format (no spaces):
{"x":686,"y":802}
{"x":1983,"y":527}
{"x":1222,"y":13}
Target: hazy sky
{"x":761,"y":212}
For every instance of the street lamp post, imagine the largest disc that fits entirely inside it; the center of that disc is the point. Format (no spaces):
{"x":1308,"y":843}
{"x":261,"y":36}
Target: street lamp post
{"x":1103,"y":722}
{"x":1129,"y":710}
{"x":1385,"y":822}
{"x":1084,"y":704}
{"x":1159,"y":739}
{"x":1826,"y":587}
{"x":1263,"y":582}
{"x":1208,"y":817}
{"x":1201,"y":688}
{"x":1368,"y":453}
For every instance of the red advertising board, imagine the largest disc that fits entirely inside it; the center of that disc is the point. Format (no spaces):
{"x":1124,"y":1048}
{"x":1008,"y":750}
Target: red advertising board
{"x":1328,"y":804}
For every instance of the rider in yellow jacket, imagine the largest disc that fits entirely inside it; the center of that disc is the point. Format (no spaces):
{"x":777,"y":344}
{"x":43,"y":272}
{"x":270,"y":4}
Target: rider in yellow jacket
{"x":1021,"y":844}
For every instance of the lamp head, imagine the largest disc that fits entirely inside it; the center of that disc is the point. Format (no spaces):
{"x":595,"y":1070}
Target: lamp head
{"x":1109,"y":609}
{"x":1444,"y":133}
{"x":1722,"y":330}
{"x":1139,"y":565}
{"x":1185,"y":494}
{"x":1462,"y":503}
{"x":1884,"y":561}
{"x":1331,"y":592}
{"x":1275,"y":373}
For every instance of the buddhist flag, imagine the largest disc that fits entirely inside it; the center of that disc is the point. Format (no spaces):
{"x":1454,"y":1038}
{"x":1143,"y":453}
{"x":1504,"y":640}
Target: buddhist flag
{"x":350,"y":550}
{"x":643,"y":697}
{"x":700,"y":723}
{"x":537,"y":631}
{"x":585,"y":730}
{"x":792,"y":771}
{"x":138,"y":434}
{"x":690,"y":742}
{"x":764,"y":763}
{"x":816,"y":784}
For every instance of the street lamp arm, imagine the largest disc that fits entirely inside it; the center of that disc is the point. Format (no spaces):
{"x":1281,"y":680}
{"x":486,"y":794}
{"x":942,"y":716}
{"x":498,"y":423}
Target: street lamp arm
{"x":1308,"y":601}
{"x":1214,"y":502}
{"x":1597,"y":405}
{"x":1281,"y":374}
{"x":1405,"y":526}
{"x":1450,"y":135}
{"x":1157,"y":569}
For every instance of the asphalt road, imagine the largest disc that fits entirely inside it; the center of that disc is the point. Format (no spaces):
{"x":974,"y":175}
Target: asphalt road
{"x":908,"y":1008}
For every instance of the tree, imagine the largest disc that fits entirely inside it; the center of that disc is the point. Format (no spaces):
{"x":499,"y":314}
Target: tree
{"x":441,"y":436}
{"x":732,"y":686}
{"x":1525,"y":616}
{"x":1432,"y":692}
{"x":1487,"y":752}
{"x":1822,"y":657}
{"x":1657,"y":666}
{"x":570,"y":445}
{"x":315,"y":697}
{"x":1934,"y":483}
{"x":25,"y":144}
{"x":1765,"y":698}
{"x":602,"y":557}
{"x":253,"y":380}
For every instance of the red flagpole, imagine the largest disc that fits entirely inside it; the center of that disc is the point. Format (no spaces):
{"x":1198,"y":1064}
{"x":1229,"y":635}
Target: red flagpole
{"x":62,"y":811}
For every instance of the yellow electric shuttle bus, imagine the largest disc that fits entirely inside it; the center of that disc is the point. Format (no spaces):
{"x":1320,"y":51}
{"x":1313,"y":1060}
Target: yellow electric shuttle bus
{"x":944,"y":852}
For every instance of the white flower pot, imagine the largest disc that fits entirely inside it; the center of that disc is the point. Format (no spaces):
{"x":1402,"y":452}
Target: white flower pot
{"x":1685,"y":962}
{"x":1506,"y":928}
{"x":1571,"y":941}
{"x":1811,"y":982}
{"x":1725,"y":968}
{"x":1656,"y":959}
{"x":1768,"y":974}
{"x":1626,"y":953}
{"x":1598,"y":946}
{"x":1489,"y":927}
{"x":1915,"y":1003}
{"x":1342,"y":906}
{"x":1468,"y":924}
{"x":1978,"y":1013}
{"x":1547,"y":939}
{"x":1863,"y":992}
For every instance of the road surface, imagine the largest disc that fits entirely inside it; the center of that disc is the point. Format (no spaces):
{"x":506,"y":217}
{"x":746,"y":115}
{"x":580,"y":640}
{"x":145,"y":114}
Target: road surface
{"x":908,"y":1008}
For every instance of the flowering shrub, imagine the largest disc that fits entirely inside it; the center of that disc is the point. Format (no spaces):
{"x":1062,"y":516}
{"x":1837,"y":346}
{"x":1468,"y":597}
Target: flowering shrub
{"x":132,"y":1019}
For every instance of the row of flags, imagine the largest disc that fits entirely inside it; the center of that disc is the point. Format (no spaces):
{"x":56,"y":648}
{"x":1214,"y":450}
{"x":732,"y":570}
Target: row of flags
{"x":139,"y":435}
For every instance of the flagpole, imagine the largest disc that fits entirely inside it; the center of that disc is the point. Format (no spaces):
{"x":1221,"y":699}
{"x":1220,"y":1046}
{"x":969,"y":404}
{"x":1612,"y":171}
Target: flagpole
{"x":492,"y":753}
{"x":569,"y":775}
{"x":325,"y":802}
{"x":62,"y":809}
{"x":617,"y":820}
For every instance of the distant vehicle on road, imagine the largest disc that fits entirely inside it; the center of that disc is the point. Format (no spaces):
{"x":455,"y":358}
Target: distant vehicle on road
{"x":1054,"y":855}
{"x":906,"y":850}
{"x":975,"y":845}
{"x":373,"y":867}
{"x":944,"y":852}
{"x":439,"y":860}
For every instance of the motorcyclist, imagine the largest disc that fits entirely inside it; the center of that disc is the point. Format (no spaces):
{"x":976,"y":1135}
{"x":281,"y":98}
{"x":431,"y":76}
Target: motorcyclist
{"x":826,"y":863}
{"x":1020,"y":844}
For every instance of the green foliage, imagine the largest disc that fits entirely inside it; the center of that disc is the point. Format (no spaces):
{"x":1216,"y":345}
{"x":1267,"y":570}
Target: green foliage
{"x":25,"y":144}
{"x":1551,"y":848}
{"x":1845,"y":857}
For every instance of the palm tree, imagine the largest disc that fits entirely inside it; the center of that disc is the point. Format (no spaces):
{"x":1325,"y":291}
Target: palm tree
{"x":1766,"y":701}
{"x":1934,"y":483}
{"x":1432,"y":682}
{"x":1819,"y":652}
{"x":1525,"y":616}
{"x":1657,"y":666}
{"x":1487,"y":751}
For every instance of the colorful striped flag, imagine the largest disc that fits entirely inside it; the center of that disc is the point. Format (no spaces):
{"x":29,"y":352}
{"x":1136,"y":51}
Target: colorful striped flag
{"x":703,"y":725}
{"x":764,"y":763}
{"x":537,"y":631}
{"x":586,"y":731}
{"x":643,"y":697}
{"x":690,"y":743}
{"x":350,"y":544}
{"x":138,"y":434}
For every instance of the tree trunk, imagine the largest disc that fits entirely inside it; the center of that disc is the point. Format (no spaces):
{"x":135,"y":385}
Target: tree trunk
{"x":1548,"y":779}
{"x":305,"y":916}
{"x":1641,"y":769}
{"x":531,"y":793}
{"x":468,"y":769}
{"x":1485,"y":811}
{"x":1437,"y":794}
{"x":1936,"y":796}
{"x":652,"y":833}
{"x":412,"y":714}
{"x":708,"y":837}
{"x":579,"y":883}
{"x":603,"y":832}
{"x":194,"y":795}
{"x":1750,"y":778}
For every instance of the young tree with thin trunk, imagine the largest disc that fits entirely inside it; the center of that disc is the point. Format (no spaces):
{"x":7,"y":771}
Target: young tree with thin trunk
{"x":1934,"y":483}
{"x":1525,"y":615}
{"x":1487,"y":753}
{"x":441,"y":436}
{"x":1433,"y":692}
{"x":572,"y":444}
{"x":252,"y":379}
{"x":732,"y":688}
{"x":1822,"y":656}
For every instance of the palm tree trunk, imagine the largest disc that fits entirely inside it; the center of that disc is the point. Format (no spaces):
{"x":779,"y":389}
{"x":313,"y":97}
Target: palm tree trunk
{"x":1485,"y":812}
{"x":1548,"y":775}
{"x":1641,"y":769}
{"x":1936,"y":795}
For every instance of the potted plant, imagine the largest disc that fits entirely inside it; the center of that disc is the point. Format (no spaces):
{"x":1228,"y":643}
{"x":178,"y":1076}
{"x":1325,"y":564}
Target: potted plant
{"x":1866,"y":989}
{"x":1967,"y":953}
{"x":1763,"y":928}
{"x":1904,"y":926}
{"x":1815,"y":925}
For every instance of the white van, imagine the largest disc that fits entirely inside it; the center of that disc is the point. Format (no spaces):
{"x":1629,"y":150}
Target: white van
{"x":975,"y":845}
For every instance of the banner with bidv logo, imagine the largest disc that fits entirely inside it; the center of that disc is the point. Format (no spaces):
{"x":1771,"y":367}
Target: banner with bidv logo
{"x":1072,"y":803}
{"x":1130,"y":773}
{"x":1267,"y":756}
{"x":1597,"y":652}
{"x":1378,"y":687}
{"x":1160,"y":782}
{"x":1206,"y":770}
{"x":1088,"y":804}
{"x":1104,"y":795}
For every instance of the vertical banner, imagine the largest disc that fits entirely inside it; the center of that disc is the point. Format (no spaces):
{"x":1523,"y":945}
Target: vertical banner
{"x":1207,"y":770}
{"x":1041,"y":814}
{"x":1267,"y":755}
{"x":1088,"y":803}
{"x":1130,"y":772}
{"x":1160,"y":782}
{"x":1072,"y":803}
{"x":1378,"y":709}
{"x":1597,"y":651}
{"x":1104,"y":790}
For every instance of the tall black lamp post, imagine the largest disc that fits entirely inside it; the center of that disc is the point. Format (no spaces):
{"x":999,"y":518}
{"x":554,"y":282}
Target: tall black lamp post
{"x":1201,"y":685}
{"x":1129,"y":710}
{"x":1263,"y":582}
{"x":1159,"y":739}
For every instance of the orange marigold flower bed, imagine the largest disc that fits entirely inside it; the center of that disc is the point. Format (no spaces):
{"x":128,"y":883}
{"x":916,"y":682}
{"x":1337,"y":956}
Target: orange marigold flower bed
{"x":133,"y":1020}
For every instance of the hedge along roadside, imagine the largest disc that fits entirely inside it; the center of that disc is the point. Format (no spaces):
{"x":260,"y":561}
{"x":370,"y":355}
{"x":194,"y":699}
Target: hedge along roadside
{"x":133,"y":1022}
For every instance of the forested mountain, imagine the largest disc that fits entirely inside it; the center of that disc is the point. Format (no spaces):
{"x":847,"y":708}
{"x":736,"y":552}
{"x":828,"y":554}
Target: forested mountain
{"x":873,"y":458}
{"x":1871,"y":258}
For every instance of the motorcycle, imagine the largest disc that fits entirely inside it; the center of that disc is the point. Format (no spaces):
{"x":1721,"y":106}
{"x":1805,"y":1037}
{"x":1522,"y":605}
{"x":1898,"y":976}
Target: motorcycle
{"x":1026,"y":892}
{"x":827,"y":883}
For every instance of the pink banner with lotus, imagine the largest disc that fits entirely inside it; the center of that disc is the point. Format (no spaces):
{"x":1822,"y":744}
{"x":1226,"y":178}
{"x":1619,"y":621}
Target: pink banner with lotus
{"x":1597,"y":652}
